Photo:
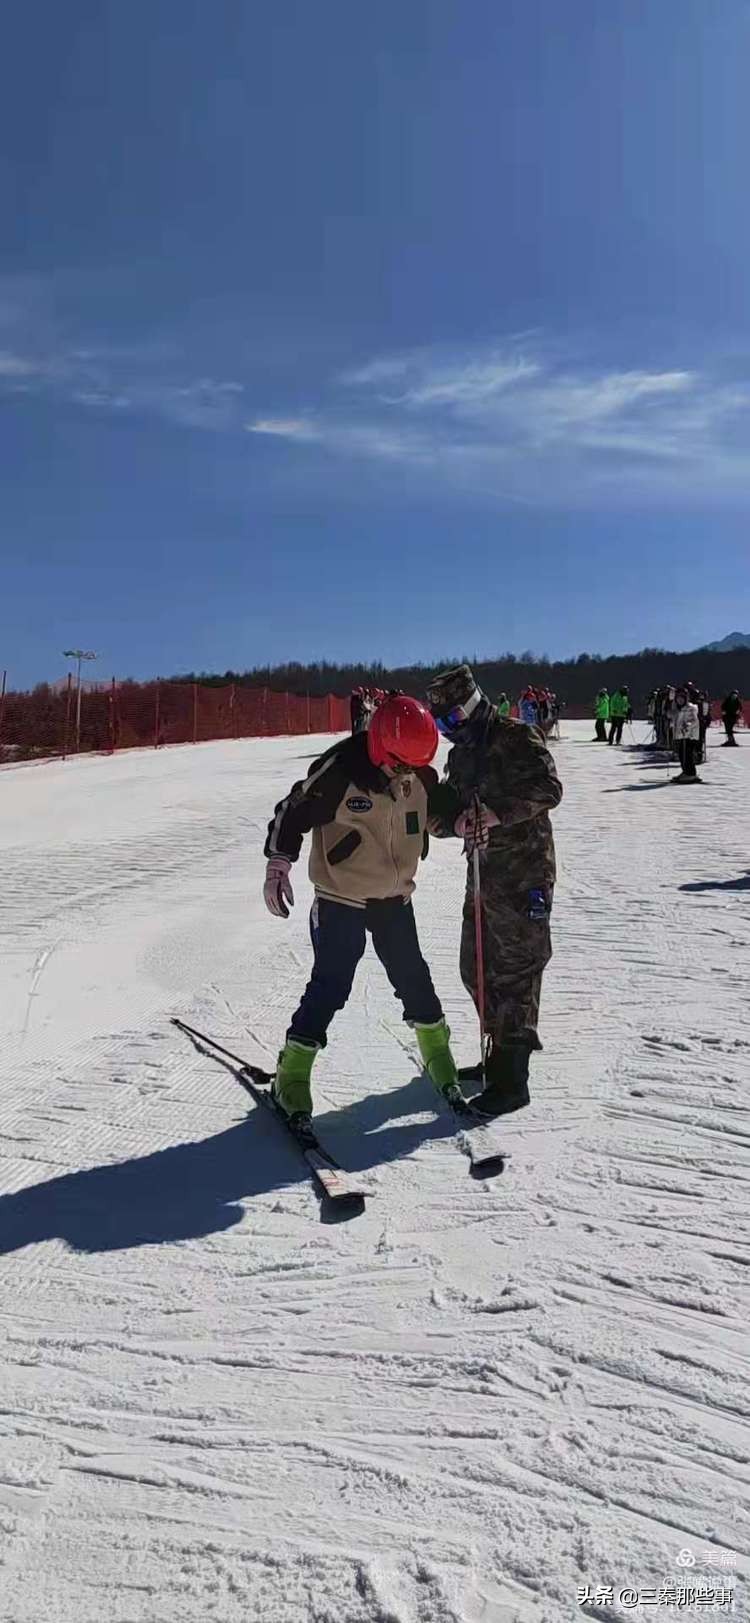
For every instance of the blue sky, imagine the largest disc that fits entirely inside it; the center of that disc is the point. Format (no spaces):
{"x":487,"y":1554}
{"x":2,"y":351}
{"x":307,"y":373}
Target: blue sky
{"x":392,"y":331}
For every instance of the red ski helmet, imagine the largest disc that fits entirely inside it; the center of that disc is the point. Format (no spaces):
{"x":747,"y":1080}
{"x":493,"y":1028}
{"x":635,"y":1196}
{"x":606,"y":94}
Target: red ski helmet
{"x":402,"y":733}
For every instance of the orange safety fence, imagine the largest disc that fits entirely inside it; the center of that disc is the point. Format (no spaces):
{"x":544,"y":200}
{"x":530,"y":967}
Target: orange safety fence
{"x":131,"y":715}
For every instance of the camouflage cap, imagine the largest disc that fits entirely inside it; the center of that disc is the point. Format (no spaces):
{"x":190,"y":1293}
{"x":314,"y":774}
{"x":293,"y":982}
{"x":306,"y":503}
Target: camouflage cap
{"x":451,"y":688}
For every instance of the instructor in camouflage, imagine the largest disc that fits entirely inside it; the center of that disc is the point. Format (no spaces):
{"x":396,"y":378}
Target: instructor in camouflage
{"x":499,"y":787}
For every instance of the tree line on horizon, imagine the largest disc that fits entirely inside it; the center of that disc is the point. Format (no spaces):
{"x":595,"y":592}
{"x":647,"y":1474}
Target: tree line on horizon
{"x":575,"y":680}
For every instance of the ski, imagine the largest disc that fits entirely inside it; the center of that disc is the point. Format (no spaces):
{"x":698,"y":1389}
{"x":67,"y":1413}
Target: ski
{"x":333,"y":1182}
{"x":476,"y":1136}
{"x":336,"y":1184}
{"x":480,"y":1141}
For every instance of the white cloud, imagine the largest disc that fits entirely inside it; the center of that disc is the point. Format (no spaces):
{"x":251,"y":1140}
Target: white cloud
{"x":453,"y":381}
{"x":349,"y":437}
{"x":285,"y":428}
{"x":100,"y":397}
{"x":379,"y":440}
{"x":126,"y":379}
{"x":475,"y":384}
{"x":581,"y":411}
{"x":18,"y":366}
{"x":208,"y":389}
{"x":204,"y":403}
{"x":383,"y":371}
{"x":516,"y":419}
{"x":533,"y":427}
{"x":148,"y":377}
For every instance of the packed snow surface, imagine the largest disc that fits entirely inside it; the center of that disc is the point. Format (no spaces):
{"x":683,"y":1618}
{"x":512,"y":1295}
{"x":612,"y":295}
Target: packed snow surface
{"x":478,"y":1401}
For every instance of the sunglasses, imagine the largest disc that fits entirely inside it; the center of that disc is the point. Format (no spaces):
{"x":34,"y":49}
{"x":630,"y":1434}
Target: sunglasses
{"x":452,"y":720}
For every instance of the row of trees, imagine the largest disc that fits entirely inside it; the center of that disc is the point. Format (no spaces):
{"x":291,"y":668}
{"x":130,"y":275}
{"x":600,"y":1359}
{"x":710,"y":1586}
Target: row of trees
{"x":576,"y":680}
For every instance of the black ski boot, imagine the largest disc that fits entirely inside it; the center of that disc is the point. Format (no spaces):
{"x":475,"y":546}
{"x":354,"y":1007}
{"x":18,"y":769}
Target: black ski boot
{"x":506,"y":1081}
{"x":474,"y":1073}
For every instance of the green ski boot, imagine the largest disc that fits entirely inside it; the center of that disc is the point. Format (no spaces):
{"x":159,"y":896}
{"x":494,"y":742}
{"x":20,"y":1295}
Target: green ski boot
{"x":434,"y":1047}
{"x":291,"y":1084}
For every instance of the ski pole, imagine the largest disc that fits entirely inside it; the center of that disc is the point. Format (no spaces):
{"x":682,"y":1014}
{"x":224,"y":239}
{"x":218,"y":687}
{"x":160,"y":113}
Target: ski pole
{"x":479,"y":949}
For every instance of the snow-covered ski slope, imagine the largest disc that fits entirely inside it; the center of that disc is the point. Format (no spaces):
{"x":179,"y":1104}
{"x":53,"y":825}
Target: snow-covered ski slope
{"x":461,"y":1405}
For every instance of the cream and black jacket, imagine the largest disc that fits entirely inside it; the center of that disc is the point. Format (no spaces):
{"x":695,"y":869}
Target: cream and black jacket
{"x":368,"y":831}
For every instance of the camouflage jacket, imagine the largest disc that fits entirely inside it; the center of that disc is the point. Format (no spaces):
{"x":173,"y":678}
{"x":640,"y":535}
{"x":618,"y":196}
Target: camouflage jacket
{"x":510,"y":769}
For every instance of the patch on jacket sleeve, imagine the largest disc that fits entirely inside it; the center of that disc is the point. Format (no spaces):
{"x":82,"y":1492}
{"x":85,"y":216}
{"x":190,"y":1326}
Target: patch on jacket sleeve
{"x":359,"y":803}
{"x":412,"y":822}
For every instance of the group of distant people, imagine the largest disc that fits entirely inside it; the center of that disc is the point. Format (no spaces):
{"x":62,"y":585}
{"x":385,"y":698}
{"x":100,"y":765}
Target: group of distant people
{"x":681,"y":717}
{"x":363,"y":703}
{"x":611,"y":710}
{"x":537,"y":707}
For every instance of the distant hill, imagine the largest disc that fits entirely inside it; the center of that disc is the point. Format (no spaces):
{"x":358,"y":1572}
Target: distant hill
{"x":736,"y":639}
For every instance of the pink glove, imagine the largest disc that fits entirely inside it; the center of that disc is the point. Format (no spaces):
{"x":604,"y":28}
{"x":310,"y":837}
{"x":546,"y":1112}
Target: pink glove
{"x":277,"y":890}
{"x":473,"y":827}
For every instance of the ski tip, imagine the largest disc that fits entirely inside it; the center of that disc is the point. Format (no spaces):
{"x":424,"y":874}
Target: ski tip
{"x":335,"y":1186}
{"x":490,"y":1167}
{"x":342,"y":1208}
{"x":352,"y":1202}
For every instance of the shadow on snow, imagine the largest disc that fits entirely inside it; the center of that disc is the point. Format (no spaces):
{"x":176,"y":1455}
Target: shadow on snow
{"x":742,"y":883}
{"x":634,"y":788}
{"x":192,"y":1190}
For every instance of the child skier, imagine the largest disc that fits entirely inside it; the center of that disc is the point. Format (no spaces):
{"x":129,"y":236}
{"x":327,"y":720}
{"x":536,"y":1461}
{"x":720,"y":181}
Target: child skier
{"x":365,"y":802}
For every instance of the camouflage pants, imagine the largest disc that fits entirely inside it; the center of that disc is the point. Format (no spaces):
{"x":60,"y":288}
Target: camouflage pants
{"x":516,"y":950}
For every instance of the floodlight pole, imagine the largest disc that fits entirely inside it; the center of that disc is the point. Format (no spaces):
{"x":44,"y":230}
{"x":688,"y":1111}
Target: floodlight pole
{"x":78,"y":654}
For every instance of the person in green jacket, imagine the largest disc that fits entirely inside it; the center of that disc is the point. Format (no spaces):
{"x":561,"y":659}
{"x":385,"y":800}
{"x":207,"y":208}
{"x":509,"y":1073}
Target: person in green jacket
{"x":503,"y":705}
{"x":620,"y":711}
{"x":601,"y":715}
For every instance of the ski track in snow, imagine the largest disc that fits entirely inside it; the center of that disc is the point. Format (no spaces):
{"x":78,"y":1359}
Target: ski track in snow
{"x":216,"y":1405}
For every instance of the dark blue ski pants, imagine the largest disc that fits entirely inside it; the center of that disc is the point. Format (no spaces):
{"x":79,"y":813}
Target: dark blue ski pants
{"x":339,"y":934}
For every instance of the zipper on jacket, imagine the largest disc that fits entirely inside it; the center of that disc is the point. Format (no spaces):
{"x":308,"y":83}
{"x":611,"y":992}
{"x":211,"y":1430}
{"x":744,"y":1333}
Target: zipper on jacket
{"x":393,"y":854}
